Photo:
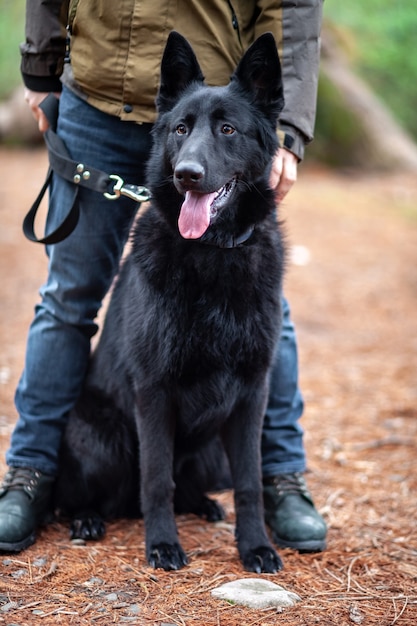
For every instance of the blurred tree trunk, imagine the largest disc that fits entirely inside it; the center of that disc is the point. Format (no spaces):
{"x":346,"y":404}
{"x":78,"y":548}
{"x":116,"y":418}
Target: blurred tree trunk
{"x":17,"y":124}
{"x":384,"y":143}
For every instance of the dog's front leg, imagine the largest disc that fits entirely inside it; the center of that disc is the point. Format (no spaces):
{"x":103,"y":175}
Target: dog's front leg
{"x":242,"y":440}
{"x":156,"y":430}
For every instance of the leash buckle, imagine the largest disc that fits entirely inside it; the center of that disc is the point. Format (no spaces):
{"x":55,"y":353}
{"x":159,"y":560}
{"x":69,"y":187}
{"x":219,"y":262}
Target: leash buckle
{"x":134,"y":192}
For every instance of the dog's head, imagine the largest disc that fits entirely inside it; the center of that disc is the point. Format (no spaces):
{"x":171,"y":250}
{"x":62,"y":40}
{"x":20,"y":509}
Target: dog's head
{"x":218,"y":141}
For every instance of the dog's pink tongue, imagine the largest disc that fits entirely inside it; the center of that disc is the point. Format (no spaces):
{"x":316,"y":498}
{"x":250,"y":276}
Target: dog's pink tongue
{"x":194,"y":217}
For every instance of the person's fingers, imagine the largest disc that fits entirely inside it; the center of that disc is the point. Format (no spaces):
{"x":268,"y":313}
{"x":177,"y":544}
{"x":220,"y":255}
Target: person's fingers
{"x":288,"y":176}
{"x":276,"y":169}
{"x":43,"y":123}
{"x":34,"y":98}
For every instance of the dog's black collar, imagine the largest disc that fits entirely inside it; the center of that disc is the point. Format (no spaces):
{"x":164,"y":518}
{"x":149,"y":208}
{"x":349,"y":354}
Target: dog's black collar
{"x":230,"y":242}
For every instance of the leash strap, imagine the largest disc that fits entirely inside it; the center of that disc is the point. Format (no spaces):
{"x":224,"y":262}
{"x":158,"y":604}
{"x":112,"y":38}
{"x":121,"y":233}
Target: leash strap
{"x":81,"y":175}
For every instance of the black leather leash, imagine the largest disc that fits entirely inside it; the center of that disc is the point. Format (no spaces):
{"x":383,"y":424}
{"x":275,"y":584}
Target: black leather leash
{"x":111,"y":186}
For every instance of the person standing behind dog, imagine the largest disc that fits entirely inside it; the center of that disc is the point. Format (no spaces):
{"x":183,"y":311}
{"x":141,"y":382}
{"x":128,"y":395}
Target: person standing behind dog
{"x":106,"y":114}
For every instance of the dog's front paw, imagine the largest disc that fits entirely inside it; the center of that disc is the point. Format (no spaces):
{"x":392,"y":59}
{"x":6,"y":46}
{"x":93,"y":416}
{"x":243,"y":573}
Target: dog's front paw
{"x":263,"y":559}
{"x":167,"y":556}
{"x":87,"y":526}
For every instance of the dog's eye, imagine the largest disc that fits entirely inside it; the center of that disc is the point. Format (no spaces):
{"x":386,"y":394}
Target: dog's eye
{"x":227,"y":129}
{"x":181,"y":129}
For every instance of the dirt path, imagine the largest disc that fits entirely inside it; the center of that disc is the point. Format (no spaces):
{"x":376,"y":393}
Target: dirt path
{"x":353,"y":289}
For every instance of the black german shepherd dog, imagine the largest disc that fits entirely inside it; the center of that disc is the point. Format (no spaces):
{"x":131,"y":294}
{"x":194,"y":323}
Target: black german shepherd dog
{"x":184,"y":358}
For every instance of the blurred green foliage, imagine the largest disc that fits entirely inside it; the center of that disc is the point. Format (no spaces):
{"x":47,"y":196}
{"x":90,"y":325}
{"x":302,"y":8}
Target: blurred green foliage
{"x":380,"y":37}
{"x":384,"y":38}
{"x":11,"y":35}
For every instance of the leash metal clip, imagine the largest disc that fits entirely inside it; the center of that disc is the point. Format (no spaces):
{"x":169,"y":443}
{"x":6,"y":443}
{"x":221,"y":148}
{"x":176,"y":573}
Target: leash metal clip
{"x":134,"y":192}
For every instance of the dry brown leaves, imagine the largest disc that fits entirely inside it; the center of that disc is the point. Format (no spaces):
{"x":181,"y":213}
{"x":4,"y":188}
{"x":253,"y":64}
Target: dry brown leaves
{"x":354,"y":303}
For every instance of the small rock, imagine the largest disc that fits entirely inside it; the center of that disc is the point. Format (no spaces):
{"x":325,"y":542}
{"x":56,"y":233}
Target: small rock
{"x":300,"y":255}
{"x":256,"y":593}
{"x":355,"y":614}
{"x":78,"y":542}
{"x":111,"y":597}
{"x":4,"y":375}
{"x":93,"y":581}
{"x":9,"y":606}
{"x":127,"y":568}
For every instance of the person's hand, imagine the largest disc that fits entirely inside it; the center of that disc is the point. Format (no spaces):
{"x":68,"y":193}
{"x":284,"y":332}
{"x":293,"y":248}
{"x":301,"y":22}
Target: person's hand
{"x":34,"y":98}
{"x":283,"y":173}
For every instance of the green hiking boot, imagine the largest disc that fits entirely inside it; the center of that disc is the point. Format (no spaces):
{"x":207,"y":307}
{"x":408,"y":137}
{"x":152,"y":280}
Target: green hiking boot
{"x":291,"y":515}
{"x":25,"y":500}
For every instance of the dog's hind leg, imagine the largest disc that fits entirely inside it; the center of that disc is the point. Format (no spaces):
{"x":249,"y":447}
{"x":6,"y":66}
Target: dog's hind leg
{"x":205,"y":470}
{"x":87,"y":526}
{"x":98,"y":473}
{"x":73,"y":499}
{"x":242,"y":442}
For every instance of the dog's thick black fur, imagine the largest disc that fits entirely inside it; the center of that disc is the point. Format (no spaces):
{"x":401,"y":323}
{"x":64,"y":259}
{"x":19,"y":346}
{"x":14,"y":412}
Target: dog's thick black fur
{"x":184,"y":358}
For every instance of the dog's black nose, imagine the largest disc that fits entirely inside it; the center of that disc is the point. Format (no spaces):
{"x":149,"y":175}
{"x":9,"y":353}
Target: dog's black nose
{"x":189,"y":174}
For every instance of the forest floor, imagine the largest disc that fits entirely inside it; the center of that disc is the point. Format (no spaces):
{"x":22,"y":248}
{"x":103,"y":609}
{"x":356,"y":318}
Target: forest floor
{"x":352,"y":285}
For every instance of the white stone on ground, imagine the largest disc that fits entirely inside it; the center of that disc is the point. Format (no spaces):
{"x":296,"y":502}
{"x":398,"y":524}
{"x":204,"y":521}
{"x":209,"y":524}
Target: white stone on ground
{"x":256,"y":593}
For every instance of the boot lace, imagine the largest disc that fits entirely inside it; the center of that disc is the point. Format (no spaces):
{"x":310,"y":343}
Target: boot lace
{"x":289,"y":483}
{"x":23,"y":478}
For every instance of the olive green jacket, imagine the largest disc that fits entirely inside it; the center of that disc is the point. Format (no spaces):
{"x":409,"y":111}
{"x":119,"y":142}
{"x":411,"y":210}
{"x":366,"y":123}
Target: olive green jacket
{"x":116,"y":46}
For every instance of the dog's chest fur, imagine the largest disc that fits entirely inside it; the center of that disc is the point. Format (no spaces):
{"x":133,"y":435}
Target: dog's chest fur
{"x":200,"y":321}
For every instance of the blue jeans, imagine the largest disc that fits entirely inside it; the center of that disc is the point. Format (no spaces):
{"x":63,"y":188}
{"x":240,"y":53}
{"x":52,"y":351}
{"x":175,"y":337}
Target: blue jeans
{"x":80,"y":272}
{"x":282,"y":435}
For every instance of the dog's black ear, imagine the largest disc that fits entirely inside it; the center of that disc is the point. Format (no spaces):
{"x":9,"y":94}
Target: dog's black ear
{"x":179,"y":68}
{"x":259,"y":73}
